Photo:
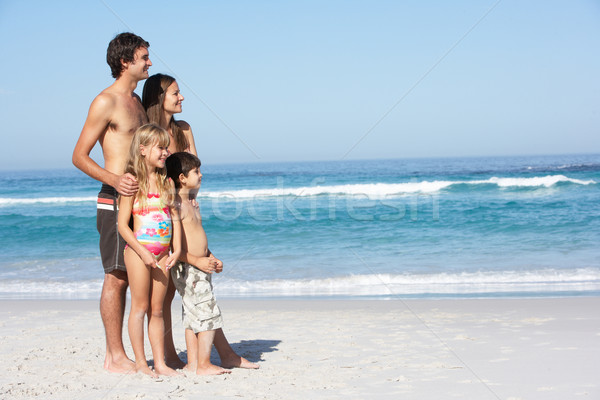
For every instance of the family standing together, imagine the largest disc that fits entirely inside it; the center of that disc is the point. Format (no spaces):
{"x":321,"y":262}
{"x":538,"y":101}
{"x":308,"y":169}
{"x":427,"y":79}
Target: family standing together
{"x":151,"y":235}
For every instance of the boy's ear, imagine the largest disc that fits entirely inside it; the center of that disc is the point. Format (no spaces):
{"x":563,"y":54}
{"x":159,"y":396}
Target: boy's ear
{"x":182,"y":178}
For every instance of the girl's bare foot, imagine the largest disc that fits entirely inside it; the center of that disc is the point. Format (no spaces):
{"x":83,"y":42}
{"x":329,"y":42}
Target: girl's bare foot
{"x":212,"y":370}
{"x":144,"y":369}
{"x":190,"y":369}
{"x":165,"y":370}
{"x":238,"y":362}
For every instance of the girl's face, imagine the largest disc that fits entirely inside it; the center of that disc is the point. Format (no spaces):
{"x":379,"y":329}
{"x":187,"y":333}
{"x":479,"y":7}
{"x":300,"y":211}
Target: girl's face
{"x":173,"y":99}
{"x":155,"y":155}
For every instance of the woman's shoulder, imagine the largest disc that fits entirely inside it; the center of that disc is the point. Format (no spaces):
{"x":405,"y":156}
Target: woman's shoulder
{"x":183,"y":125}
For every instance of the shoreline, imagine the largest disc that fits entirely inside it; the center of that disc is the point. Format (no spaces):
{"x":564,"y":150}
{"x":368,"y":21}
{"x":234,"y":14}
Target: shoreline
{"x":509,"y":348}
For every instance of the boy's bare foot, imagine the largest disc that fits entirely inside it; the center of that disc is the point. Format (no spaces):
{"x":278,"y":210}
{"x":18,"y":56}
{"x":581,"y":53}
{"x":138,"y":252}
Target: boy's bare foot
{"x":144,"y":369}
{"x":121,"y":366}
{"x":166,"y":370}
{"x":175,"y":363}
{"x":236,"y":361}
{"x":212,"y":370}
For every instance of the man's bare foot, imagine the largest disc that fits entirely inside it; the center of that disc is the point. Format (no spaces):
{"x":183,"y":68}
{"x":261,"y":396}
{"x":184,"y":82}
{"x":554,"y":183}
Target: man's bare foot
{"x":166,"y":370}
{"x":212,"y":370}
{"x":236,"y":361}
{"x":175,"y":363}
{"x":121,"y":366}
{"x":144,"y":369}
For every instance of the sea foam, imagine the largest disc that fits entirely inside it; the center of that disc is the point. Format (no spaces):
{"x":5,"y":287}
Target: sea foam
{"x":371,"y":190}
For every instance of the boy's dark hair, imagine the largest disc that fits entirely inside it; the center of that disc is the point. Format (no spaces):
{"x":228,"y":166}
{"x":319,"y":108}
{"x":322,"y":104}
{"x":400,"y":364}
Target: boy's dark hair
{"x":122,"y":48}
{"x":181,"y":163}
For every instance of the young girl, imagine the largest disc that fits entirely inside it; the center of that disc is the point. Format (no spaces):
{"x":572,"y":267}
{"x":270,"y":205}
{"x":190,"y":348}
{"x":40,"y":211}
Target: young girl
{"x":147,"y":258}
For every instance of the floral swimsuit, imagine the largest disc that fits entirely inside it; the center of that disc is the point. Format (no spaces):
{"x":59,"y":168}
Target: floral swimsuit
{"x":155,"y":232}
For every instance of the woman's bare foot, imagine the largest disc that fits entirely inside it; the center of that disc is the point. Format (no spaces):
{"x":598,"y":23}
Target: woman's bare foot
{"x":166,"y":370}
{"x":236,"y":361}
{"x":212,"y":370}
{"x":144,"y":369}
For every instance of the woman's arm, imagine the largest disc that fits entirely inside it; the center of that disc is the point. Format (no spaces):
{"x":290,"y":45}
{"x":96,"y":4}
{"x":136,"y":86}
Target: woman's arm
{"x":187,"y":132}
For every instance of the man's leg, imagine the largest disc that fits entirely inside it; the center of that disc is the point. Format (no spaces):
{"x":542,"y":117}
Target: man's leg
{"x":112,"y":311}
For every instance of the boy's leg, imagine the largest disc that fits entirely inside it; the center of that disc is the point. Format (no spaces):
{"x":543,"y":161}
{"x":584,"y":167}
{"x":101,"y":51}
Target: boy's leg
{"x":191,"y":345}
{"x":229,"y":358}
{"x":139,"y":284}
{"x":156,"y":324}
{"x":204,"y":366}
{"x":112,"y":311}
{"x":171,"y":357}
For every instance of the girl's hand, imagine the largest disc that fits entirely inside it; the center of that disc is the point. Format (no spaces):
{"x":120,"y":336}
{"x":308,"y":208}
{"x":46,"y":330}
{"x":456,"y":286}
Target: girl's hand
{"x":172,"y":259}
{"x":148,"y":259}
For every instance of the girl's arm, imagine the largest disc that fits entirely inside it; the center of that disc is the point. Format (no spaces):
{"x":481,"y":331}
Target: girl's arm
{"x":125,"y":207}
{"x":176,"y":238}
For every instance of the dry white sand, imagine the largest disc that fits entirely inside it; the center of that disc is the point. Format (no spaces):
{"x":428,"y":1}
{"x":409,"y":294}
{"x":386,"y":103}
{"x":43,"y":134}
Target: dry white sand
{"x":418,"y":349}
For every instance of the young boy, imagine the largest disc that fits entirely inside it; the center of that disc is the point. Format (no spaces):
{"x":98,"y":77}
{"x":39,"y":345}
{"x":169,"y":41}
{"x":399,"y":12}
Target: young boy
{"x":192,"y":277}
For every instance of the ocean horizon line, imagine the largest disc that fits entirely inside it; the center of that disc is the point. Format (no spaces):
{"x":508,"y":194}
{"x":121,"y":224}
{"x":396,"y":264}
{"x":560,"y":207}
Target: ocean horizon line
{"x":366,"y":159}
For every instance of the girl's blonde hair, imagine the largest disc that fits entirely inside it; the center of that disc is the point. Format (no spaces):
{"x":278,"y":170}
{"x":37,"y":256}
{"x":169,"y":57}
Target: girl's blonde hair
{"x":149,"y":135}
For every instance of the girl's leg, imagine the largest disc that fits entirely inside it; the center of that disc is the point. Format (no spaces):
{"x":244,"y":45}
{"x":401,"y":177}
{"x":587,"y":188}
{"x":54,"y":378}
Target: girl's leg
{"x":156,"y":324}
{"x":139,"y":284}
{"x":171,"y":356}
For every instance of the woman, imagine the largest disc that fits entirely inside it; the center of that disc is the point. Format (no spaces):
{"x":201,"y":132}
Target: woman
{"x":162,"y":99}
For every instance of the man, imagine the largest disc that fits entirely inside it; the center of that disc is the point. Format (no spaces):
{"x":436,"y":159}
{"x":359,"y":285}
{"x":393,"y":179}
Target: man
{"x":113,"y":117}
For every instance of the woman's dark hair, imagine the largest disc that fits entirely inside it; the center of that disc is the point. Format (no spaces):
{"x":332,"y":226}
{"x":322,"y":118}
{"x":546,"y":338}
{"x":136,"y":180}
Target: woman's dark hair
{"x":153,"y":97}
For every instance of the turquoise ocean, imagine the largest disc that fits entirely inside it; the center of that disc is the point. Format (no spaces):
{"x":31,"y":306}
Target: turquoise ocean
{"x":413,"y":228}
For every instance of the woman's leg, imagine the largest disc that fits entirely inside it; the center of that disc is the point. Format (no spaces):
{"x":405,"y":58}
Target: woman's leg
{"x":139,"y":284}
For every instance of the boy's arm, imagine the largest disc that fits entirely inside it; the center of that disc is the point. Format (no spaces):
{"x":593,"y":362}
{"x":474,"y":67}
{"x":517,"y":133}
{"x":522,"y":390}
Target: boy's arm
{"x":219,"y":262}
{"x":125,"y":206}
{"x":208,"y":264}
{"x":96,"y":123}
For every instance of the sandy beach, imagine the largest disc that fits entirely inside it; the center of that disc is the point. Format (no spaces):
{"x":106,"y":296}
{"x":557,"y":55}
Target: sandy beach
{"x":326,"y":349}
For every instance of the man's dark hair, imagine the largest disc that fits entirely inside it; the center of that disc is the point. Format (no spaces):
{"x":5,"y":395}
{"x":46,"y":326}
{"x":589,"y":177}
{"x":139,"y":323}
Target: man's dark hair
{"x":122,"y":48}
{"x":181,"y":163}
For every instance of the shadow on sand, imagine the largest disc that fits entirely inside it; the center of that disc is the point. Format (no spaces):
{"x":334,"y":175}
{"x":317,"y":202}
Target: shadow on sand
{"x":252,"y":350}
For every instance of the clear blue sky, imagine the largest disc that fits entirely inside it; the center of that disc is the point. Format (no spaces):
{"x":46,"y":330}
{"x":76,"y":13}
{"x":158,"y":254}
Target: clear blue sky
{"x":308,"y":80}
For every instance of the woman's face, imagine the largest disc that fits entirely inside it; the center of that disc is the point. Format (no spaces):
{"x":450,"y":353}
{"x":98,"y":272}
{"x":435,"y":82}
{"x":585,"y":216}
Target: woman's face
{"x":173,"y":99}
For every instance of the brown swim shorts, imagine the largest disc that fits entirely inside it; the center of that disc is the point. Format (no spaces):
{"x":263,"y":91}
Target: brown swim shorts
{"x":112,"y":245}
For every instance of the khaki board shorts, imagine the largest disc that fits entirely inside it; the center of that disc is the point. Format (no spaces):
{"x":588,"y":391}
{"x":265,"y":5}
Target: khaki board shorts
{"x":200,"y":311}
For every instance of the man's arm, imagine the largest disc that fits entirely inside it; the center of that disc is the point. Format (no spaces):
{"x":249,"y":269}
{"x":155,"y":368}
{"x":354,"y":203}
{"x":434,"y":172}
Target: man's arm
{"x":95,"y":126}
